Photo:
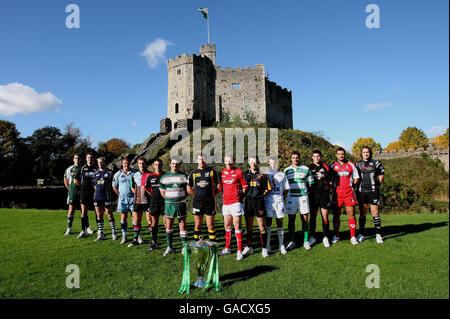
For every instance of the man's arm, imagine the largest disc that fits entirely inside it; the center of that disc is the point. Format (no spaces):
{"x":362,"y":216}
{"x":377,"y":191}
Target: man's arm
{"x":163,"y":193}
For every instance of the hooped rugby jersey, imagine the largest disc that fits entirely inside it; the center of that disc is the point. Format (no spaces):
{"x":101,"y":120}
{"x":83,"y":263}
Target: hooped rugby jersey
{"x":152,"y":186}
{"x":204,"y":181}
{"x":345,"y":174}
{"x":322,"y":177}
{"x":122,"y":181}
{"x":233,"y":185}
{"x":138,"y":182}
{"x":257,"y":183}
{"x":175,"y":186}
{"x":87,"y":177}
{"x":298,"y":179}
{"x":103,"y":185}
{"x":279,"y":183}
{"x":369,"y":172}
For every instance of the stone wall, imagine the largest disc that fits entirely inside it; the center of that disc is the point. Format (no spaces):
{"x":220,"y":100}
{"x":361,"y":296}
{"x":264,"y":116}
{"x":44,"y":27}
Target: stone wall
{"x":439,"y":153}
{"x":278,"y":106}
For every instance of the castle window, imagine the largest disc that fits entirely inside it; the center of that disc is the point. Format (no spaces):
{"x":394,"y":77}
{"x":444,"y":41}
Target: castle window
{"x":178,"y":72}
{"x":236,"y":86}
{"x":176,"y":108}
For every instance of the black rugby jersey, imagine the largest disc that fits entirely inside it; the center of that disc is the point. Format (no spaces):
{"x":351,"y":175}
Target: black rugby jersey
{"x":257,"y":183}
{"x":369,"y":172}
{"x":322,"y":177}
{"x":152,"y":185}
{"x":204,"y":181}
{"x":87,"y":177}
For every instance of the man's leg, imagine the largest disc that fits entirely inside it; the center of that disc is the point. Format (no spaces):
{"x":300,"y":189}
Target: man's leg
{"x":305,"y":227}
{"x":228,"y":224}
{"x":99,"y":211}
{"x":374,"y":209}
{"x":249,"y":228}
{"x":123,"y":226}
{"x":183,"y":231}
{"x":112,"y":222}
{"x":211,"y":227}
{"x":70,"y":217}
{"x":352,"y":223}
{"x":198,"y":222}
{"x":268,"y":231}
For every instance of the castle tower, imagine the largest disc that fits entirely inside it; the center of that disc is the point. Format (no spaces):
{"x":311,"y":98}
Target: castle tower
{"x":209,"y":51}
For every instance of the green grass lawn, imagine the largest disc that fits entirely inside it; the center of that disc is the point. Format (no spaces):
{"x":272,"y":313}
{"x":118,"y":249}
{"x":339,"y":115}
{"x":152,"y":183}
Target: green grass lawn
{"x":413,"y":262}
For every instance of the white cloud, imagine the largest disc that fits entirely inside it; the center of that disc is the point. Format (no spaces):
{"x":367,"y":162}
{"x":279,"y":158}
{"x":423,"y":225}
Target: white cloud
{"x":19,"y":98}
{"x":377,"y":106}
{"x":436,"y":130}
{"x":154,"y":52}
{"x":344,"y":146}
{"x":133,"y":123}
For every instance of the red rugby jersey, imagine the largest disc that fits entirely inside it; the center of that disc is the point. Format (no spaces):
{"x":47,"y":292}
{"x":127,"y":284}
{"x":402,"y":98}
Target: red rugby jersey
{"x":345,"y":174}
{"x":232,"y":182}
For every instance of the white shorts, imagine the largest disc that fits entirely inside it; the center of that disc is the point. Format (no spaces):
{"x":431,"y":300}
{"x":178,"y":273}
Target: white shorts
{"x":275,"y":209}
{"x":236,"y":209}
{"x":295,"y":204}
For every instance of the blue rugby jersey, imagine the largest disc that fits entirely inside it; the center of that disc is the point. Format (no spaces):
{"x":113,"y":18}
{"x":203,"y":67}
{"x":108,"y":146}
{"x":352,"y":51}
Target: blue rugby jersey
{"x":103,"y":185}
{"x":122,"y":181}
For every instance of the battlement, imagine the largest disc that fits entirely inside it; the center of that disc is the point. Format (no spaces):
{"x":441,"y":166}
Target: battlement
{"x":278,"y":89}
{"x":207,"y":47}
{"x":240,"y":69}
{"x":184,"y":59}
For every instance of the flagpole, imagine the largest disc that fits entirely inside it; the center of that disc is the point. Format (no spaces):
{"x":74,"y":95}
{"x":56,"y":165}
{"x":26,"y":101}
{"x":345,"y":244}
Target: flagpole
{"x":208,"y":24}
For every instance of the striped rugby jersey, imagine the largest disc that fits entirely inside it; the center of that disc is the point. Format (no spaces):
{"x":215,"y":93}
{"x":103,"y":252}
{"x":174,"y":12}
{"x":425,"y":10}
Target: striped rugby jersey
{"x":298,"y":179}
{"x":175,"y":186}
{"x":138,"y":182}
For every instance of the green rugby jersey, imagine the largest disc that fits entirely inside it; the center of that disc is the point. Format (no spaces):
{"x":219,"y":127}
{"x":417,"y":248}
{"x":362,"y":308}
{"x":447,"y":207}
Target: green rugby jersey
{"x":298,"y":178}
{"x":73,"y":172}
{"x":175,"y":186}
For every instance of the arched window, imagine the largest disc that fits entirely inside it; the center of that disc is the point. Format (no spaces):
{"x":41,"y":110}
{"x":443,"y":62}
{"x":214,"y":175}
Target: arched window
{"x":175,"y":126}
{"x":176,"y":108}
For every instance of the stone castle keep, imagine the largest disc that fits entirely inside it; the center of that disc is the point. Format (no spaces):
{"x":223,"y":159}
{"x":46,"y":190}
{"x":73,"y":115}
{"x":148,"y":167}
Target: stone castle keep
{"x":200,"y":90}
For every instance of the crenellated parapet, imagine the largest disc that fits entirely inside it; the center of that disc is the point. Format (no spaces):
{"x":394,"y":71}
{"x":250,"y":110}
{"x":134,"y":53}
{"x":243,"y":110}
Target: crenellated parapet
{"x":440,"y":152}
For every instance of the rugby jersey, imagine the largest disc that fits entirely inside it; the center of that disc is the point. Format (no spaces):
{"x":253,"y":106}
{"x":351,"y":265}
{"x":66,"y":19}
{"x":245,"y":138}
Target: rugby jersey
{"x":152,"y":186}
{"x":87,"y":175}
{"x":232,"y":181}
{"x":322,"y":177}
{"x":72,"y":173}
{"x":122,"y":181}
{"x":298,"y":179}
{"x":204,"y":181}
{"x":369,"y":172}
{"x":279,"y":183}
{"x":345,"y":174}
{"x":138,"y":182}
{"x":257,"y":183}
{"x":174,"y":184}
{"x":103,"y":185}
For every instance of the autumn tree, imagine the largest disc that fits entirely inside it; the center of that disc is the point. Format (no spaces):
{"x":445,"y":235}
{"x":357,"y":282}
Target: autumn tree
{"x":393,"y":146}
{"x":113,"y":148}
{"x":412,"y":137}
{"x":362,"y":141}
{"x":443,"y":139}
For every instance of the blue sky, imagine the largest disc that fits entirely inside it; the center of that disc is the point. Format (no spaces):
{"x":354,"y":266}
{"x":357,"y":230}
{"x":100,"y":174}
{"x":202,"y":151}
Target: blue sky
{"x":347,"y":81}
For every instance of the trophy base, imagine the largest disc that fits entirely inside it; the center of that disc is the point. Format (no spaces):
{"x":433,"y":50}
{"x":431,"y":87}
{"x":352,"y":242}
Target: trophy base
{"x":200,"y":283}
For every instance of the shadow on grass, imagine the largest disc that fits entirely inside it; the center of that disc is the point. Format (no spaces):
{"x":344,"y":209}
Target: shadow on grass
{"x":230,"y":279}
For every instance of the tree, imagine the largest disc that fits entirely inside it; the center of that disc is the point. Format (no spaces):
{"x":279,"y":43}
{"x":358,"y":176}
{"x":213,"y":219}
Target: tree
{"x":412,"y":137}
{"x":361,"y":142}
{"x":9,"y":138}
{"x":443,"y":139}
{"x":113,"y":148}
{"x":393,"y":146}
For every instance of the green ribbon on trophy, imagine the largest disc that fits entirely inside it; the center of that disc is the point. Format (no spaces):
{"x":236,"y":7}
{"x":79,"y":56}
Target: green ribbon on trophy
{"x":200,"y":253}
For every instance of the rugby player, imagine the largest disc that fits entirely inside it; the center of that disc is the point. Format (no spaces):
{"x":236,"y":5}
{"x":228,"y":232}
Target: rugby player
{"x":204,"y":185}
{"x":345,"y":177}
{"x":72,"y":182}
{"x":368,"y":192}
{"x":122,"y":187}
{"x":86,"y":193}
{"x":319,"y":197}
{"x":274,"y":202}
{"x":141,"y":199}
{"x":103,"y":198}
{"x":234,"y":187}
{"x":156,"y":207}
{"x":258,"y":187}
{"x":172,"y":187}
{"x":300,"y":180}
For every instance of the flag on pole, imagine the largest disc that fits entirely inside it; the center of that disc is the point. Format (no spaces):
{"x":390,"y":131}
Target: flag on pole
{"x":204,"y":11}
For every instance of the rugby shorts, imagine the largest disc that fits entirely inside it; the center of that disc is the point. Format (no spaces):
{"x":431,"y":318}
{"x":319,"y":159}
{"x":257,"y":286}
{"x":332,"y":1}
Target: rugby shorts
{"x":372,"y":198}
{"x":140,"y":207}
{"x":125,"y":204}
{"x":173,"y":210}
{"x":73,"y":198}
{"x":235,"y":209}
{"x":297,"y":204}
{"x":255,"y":207}
{"x":203,"y":206}
{"x":275,"y":208}
{"x":103,"y":203}
{"x":157,"y":208}
{"x":345,"y":196}
{"x":319,"y":200}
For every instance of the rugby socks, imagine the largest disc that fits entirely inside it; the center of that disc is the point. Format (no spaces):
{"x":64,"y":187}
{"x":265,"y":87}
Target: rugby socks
{"x":136,"y":232}
{"x":150,"y":228}
{"x":312,"y":226}
{"x":377,"y":224}
{"x":123,"y":227}
{"x":336,"y":225}
{"x":249,"y":238}
{"x":197,"y":233}
{"x":305,"y":228}
{"x":238,"y":234}
{"x":263,"y":236}
{"x":362,"y":224}
{"x":227,"y":238}
{"x":326,"y":227}
{"x":183,"y":236}
{"x":269,"y":232}
{"x":155,"y":234}
{"x":352,"y":224}
{"x":84,"y":222}
{"x":291,"y":228}
{"x":169,"y":237}
{"x":212,"y":235}
{"x":100,"y":225}
{"x":70,"y":221}
{"x":280,"y":232}
{"x":112,"y":224}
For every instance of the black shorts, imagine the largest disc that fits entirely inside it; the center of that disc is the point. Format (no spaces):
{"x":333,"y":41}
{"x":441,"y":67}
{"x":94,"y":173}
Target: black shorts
{"x":140,"y":208}
{"x":103,"y":203}
{"x":157,"y":208}
{"x":203,"y":206}
{"x":255,"y":207}
{"x":86,"y":197}
{"x":372,"y":198}
{"x":319,"y":200}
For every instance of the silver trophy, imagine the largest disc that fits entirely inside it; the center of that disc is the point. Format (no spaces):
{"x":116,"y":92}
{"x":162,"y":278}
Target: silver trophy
{"x":200,"y":255}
